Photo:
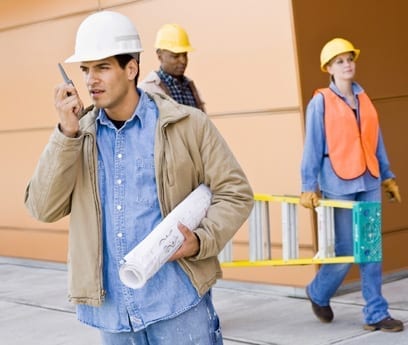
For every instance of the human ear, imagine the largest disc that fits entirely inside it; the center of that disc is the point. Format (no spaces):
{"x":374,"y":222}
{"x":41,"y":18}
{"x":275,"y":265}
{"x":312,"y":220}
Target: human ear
{"x":132,"y":69}
{"x":329,"y":69}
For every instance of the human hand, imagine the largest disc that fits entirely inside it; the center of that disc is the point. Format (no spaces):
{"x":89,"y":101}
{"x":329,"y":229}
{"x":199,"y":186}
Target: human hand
{"x":190,"y":246}
{"x":309,"y":199}
{"x":68,"y":105}
{"x":391,"y":190}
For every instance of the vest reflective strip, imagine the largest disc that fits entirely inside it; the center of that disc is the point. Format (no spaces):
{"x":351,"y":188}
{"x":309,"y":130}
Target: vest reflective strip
{"x":352,"y":150}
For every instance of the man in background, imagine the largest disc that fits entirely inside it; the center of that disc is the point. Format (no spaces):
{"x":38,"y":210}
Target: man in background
{"x":172,"y":46}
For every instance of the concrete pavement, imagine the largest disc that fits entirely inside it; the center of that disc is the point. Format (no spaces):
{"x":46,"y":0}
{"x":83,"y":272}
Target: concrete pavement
{"x":35,"y":311}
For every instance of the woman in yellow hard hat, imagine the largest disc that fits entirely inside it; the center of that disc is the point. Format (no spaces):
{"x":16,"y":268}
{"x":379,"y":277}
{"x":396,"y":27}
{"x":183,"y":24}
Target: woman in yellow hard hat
{"x":344,"y":158}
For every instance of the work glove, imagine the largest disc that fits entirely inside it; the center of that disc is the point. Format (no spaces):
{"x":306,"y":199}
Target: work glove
{"x":391,"y":190}
{"x":309,"y":199}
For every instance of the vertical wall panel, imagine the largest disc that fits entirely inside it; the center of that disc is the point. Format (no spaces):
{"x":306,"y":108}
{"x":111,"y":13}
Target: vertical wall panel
{"x":378,"y":29}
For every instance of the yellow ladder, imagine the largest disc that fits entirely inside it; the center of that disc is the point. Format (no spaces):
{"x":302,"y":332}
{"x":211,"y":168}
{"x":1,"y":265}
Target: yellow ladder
{"x":366,"y":233}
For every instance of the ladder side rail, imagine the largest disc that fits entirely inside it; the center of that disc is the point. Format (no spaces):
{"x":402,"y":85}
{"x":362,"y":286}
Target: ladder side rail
{"x":252,"y":229}
{"x":255,"y":246}
{"x":226,"y":253}
{"x":322,"y":232}
{"x":290,"y":244}
{"x":286,"y":231}
{"x":294,"y":233}
{"x":266,"y":232}
{"x":258,"y":234}
{"x":331,"y":237}
{"x":325,"y":232}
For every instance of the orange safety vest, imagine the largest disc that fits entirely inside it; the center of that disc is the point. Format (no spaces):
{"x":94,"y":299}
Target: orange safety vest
{"x":352,"y":149}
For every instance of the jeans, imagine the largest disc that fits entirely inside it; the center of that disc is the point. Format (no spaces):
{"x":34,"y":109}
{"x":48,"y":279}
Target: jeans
{"x":197,"y":326}
{"x":330,"y":276}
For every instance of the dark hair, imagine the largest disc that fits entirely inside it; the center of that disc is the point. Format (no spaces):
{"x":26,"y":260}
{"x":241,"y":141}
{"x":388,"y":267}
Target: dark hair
{"x":123,"y":60}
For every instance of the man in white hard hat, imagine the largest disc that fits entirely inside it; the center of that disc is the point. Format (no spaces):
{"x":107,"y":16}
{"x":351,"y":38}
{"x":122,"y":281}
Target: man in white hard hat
{"x":172,"y":48}
{"x":117,"y":169}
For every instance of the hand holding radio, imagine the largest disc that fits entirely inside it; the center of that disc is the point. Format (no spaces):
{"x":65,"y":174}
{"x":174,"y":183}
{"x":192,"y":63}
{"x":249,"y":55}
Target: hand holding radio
{"x":68,"y":105}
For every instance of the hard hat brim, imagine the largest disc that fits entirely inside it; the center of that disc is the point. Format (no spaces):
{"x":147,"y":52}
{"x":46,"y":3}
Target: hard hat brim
{"x":99,"y":56}
{"x":356,"y":55}
{"x":177,"y":50}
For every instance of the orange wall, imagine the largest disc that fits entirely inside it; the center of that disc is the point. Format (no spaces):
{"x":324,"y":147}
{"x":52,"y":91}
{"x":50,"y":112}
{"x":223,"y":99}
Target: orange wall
{"x":244,"y":65}
{"x":249,"y":66}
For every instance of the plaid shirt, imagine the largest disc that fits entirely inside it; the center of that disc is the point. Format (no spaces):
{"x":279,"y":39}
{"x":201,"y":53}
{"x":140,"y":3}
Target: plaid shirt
{"x":180,"y":90}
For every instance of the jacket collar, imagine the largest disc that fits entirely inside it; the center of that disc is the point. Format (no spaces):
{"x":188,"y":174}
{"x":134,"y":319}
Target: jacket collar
{"x":169,"y":112}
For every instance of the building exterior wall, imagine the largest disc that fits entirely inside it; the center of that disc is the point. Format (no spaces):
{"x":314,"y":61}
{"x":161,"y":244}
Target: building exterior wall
{"x":245,"y":66}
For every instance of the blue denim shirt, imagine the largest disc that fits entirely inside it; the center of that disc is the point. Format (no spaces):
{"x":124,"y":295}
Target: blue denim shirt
{"x":131,"y":210}
{"x":316,"y":170}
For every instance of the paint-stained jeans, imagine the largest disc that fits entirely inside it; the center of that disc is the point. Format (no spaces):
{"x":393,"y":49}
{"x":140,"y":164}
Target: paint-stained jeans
{"x":330,"y":276}
{"x":197,"y":326}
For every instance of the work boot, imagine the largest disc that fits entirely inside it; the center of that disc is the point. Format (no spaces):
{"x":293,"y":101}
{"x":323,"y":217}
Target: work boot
{"x":386,"y":325}
{"x":324,"y":314}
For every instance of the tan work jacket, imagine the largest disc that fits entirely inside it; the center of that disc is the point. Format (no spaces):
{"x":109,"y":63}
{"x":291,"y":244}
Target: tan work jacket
{"x":188,"y":151}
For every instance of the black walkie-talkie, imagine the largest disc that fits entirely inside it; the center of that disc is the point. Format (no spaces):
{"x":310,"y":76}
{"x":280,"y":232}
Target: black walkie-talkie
{"x":65,"y":76}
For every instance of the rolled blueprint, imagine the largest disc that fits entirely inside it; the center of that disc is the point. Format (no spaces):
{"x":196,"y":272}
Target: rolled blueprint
{"x":144,"y":260}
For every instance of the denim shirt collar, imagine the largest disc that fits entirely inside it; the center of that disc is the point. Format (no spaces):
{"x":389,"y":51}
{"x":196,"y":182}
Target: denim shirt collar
{"x":139,"y":113}
{"x":356,"y":88}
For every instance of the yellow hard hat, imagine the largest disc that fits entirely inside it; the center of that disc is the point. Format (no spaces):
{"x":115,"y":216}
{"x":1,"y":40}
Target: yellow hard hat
{"x":336,"y":47}
{"x":174,"y":38}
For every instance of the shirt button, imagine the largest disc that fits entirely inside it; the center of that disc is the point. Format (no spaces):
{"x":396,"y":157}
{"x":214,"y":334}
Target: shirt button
{"x":119,"y":155}
{"x":119,"y":207}
{"x":136,"y":320}
{"x":119,"y":181}
{"x":121,"y":262}
{"x":120,"y":235}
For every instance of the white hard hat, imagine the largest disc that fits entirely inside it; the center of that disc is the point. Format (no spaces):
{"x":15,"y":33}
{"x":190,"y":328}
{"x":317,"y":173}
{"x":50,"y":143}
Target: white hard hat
{"x":104,"y":34}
